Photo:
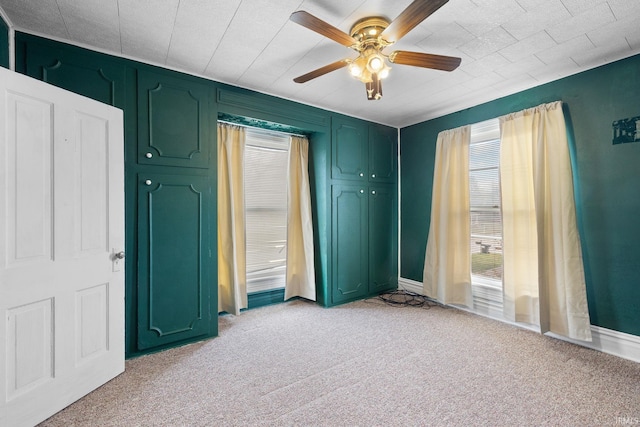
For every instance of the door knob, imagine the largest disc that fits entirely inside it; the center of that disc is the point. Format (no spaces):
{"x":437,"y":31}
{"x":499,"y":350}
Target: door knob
{"x":119,"y":255}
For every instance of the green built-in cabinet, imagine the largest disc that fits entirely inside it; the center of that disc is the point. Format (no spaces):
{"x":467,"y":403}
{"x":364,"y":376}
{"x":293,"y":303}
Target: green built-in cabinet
{"x":176,"y":297}
{"x":363,"y":152}
{"x":170,"y":186}
{"x":363,"y":209}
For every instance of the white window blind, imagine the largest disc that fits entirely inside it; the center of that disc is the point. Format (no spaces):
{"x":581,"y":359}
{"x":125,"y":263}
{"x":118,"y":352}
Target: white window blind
{"x":266,"y":165}
{"x":484,"y":198}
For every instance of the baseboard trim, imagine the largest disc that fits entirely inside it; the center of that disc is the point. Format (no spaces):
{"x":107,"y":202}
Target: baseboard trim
{"x":608,"y":341}
{"x":262,"y":298}
{"x":410,"y":285}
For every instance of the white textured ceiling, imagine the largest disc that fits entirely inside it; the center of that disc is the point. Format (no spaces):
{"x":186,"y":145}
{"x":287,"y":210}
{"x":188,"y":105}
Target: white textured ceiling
{"x":505,"y":45}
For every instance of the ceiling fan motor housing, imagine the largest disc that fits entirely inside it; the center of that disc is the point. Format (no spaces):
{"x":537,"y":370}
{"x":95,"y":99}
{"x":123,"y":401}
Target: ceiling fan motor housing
{"x":367,"y":32}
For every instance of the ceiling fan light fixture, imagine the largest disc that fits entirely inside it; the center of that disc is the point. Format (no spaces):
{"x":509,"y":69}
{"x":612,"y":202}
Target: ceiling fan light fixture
{"x":358,"y":67}
{"x":359,"y":70}
{"x":375,"y":62}
{"x":366,"y":76}
{"x":369,"y":37}
{"x":355,"y":70}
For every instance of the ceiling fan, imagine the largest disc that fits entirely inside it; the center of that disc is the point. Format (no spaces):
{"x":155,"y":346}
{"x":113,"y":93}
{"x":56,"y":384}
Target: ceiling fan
{"x":369,"y":37}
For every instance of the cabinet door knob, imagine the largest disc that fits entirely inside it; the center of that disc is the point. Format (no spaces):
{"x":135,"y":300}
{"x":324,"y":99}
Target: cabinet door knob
{"x":148,"y":182}
{"x":148,"y":155}
{"x":361,"y":191}
{"x":373,"y":191}
{"x":373,"y":175}
{"x":361,"y":174}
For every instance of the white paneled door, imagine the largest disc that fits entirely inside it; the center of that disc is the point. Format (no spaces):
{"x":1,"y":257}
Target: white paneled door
{"x":61,"y":243}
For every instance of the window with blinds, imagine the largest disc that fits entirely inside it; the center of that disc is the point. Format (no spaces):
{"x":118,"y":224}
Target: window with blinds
{"x":484,"y":198}
{"x":265,"y":174}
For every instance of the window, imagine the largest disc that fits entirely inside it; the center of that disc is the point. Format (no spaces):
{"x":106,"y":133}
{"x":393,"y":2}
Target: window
{"x":265,"y":174}
{"x":484,"y":198}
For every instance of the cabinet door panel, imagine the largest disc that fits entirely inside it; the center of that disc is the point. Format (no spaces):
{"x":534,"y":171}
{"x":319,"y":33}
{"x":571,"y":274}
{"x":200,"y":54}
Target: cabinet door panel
{"x":349,"y":150}
{"x":174,"y":123}
{"x":349,"y":243}
{"x":383,"y":153}
{"x":173,"y":273}
{"x":383,"y":239}
{"x":90,"y":76}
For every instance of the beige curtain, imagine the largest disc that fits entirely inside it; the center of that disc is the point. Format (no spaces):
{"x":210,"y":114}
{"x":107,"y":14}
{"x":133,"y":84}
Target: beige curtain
{"x":543,"y":271}
{"x":447,"y":266}
{"x":300,"y":264}
{"x":232,"y":270}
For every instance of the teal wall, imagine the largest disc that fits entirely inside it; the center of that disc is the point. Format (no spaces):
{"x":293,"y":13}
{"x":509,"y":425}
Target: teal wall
{"x":4,"y":44}
{"x":607,"y":180}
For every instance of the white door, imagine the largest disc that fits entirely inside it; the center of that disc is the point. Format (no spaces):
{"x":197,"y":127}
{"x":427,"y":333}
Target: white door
{"x":61,"y":232}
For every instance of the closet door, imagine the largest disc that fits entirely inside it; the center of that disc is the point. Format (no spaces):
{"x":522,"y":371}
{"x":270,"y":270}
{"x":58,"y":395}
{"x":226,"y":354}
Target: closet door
{"x":174,"y":264}
{"x":383,"y":238}
{"x":174,"y":117}
{"x":383,"y":153}
{"x":349,"y":243}
{"x":349,"y":150}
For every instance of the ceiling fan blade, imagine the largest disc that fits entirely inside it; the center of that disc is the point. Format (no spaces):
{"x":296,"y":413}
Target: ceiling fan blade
{"x":319,"y":26}
{"x":322,"y":71}
{"x":425,"y":60}
{"x":414,"y":14}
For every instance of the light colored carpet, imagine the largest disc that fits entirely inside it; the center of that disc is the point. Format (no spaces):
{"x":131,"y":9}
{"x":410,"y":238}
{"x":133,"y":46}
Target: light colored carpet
{"x":366,"y":364}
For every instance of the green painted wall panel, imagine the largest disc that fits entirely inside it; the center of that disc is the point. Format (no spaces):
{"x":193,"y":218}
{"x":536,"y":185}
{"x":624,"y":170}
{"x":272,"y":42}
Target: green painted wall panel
{"x":96,"y":77}
{"x":245,"y":103}
{"x":607,"y":183}
{"x":4,"y":44}
{"x":319,"y":160}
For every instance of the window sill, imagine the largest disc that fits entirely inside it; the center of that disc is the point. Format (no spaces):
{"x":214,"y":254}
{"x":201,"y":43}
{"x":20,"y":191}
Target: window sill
{"x":486,"y":283}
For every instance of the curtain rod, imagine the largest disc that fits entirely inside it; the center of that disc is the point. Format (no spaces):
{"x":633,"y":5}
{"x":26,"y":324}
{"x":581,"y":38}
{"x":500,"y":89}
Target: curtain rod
{"x":262,"y":129}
